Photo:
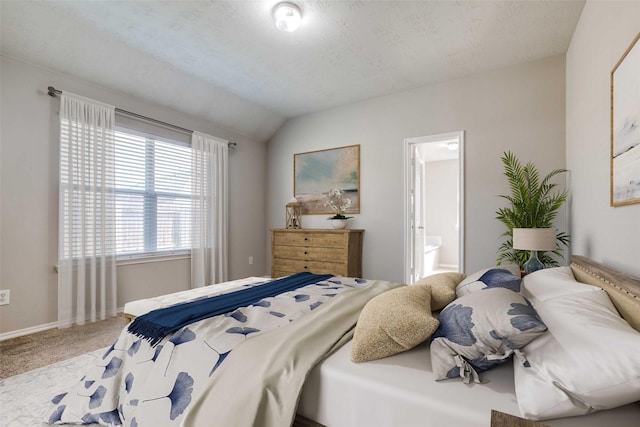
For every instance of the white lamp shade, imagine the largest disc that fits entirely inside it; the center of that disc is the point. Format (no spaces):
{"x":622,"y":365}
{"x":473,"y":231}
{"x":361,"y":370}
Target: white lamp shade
{"x":534,"y":239}
{"x":287,"y":16}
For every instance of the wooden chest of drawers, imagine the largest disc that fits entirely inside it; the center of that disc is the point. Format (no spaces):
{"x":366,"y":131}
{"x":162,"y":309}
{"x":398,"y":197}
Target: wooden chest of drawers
{"x":336,"y":252}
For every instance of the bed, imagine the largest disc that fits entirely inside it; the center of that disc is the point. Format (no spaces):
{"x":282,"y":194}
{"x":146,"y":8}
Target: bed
{"x":400,"y":390}
{"x":393,"y":391}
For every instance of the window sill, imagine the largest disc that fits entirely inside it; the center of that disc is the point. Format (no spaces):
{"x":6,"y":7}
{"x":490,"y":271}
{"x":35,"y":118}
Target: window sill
{"x":142,"y":259}
{"x":151,"y":258}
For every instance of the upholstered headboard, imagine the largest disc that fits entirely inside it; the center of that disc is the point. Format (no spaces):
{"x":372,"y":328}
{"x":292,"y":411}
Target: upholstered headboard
{"x":623,"y":289}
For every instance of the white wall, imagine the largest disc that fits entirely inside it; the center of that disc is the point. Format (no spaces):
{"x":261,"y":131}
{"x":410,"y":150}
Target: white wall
{"x":29,"y":198}
{"x":519,"y":108}
{"x":441,"y":189}
{"x":606,"y":234}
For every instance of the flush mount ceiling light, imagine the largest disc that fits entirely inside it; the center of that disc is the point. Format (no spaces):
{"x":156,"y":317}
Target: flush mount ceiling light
{"x":450,"y":145}
{"x":287,"y":16}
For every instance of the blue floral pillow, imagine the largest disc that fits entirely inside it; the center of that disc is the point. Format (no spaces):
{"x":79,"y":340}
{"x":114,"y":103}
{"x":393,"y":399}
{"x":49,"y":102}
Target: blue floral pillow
{"x":481,"y":330}
{"x":489,"y":278}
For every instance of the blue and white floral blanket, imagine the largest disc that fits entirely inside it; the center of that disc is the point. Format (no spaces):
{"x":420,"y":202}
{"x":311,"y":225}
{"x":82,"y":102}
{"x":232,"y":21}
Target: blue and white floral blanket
{"x":136,"y":384}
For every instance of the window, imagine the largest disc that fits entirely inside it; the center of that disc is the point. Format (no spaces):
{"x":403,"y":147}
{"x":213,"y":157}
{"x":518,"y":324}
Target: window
{"x":153,"y":195}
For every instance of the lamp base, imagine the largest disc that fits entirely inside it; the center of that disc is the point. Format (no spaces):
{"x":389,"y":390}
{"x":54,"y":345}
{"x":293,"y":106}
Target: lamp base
{"x":533,"y":264}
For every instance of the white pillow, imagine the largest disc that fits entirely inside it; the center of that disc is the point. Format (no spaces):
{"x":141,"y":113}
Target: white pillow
{"x":550,"y":283}
{"x":587,"y":361}
{"x":472,"y":282}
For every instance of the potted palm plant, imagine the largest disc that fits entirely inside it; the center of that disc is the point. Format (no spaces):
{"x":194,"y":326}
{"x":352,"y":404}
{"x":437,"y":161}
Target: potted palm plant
{"x":534,"y":203}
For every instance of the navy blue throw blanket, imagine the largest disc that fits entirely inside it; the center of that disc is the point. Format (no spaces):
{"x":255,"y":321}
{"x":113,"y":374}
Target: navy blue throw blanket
{"x":157,"y":324}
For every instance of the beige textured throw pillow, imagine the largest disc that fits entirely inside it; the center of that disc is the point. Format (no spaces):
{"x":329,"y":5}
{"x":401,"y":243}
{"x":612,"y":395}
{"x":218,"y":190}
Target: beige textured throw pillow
{"x":393,"y":322}
{"x":443,"y":288}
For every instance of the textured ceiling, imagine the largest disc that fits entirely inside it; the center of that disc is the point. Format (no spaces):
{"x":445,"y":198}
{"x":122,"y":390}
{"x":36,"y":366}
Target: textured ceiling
{"x":226,"y":61}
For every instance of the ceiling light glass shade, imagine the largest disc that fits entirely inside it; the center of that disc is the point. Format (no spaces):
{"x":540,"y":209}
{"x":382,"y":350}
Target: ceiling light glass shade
{"x":287,"y":16}
{"x":449,"y":145}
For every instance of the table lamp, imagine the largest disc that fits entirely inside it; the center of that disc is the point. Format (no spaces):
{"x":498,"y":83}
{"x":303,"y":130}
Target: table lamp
{"x":534,"y":240}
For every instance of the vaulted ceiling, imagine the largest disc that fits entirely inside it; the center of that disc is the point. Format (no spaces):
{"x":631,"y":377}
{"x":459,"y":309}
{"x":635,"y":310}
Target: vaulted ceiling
{"x":225,"y":61}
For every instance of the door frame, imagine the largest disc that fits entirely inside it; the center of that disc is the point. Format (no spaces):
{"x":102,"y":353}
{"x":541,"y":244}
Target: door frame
{"x":408,"y":187}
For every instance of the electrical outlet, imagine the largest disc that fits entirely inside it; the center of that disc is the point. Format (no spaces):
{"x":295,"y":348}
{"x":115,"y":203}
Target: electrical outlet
{"x":4,"y":297}
{"x":250,"y":260}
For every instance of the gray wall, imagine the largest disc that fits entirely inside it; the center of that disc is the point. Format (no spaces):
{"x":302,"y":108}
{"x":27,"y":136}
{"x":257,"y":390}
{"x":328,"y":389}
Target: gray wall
{"x":606,"y":234}
{"x":520,"y":108}
{"x":29,"y":198}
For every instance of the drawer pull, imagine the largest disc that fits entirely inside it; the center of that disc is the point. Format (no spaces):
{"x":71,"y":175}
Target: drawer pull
{"x":306,"y":238}
{"x":306,"y":253}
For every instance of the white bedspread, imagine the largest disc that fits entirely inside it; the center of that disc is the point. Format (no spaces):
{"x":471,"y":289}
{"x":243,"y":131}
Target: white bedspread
{"x":400,"y":391}
{"x":266,"y":388}
{"x":137,"y":385}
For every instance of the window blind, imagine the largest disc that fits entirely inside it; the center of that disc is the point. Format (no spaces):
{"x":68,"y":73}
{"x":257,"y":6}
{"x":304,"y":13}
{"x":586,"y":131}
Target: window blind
{"x":153,"y":195}
{"x":85,"y":171}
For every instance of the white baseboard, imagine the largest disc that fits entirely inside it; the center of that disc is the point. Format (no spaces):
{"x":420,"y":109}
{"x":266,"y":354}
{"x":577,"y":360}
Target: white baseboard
{"x":34,"y":329}
{"x":27,"y":331}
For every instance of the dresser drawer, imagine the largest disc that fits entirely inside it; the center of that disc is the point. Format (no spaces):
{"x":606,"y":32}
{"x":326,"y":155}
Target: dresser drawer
{"x":290,"y":266}
{"x":320,"y":251}
{"x":327,"y":240}
{"x":280,"y":273}
{"x":310,"y":253}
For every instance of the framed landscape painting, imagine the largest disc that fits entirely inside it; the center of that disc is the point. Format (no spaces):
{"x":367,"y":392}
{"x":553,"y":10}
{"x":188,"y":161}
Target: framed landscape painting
{"x":625,"y":127}
{"x":315,"y":173}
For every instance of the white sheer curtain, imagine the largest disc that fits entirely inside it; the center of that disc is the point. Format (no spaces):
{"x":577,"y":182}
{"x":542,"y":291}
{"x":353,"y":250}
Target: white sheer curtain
{"x":86,"y":230}
{"x":209,"y":213}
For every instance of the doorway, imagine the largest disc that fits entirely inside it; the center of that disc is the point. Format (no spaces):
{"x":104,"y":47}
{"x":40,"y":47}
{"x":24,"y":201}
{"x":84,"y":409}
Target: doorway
{"x":434,"y":195}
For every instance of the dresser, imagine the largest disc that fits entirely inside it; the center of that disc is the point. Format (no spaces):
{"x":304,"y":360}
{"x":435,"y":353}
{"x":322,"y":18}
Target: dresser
{"x":319,"y":251}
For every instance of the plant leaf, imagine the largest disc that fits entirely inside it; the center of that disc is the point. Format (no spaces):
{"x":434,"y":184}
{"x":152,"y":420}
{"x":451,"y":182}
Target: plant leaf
{"x":534,"y":203}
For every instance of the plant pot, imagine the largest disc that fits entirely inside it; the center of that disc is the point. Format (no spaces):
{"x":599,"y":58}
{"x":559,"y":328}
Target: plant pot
{"x":339,"y":224}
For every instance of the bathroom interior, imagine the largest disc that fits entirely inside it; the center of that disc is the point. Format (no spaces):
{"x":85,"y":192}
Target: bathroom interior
{"x":436,"y":202}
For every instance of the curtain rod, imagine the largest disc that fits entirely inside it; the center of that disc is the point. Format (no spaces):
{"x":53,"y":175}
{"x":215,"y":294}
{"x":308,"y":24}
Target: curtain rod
{"x":52,"y":91}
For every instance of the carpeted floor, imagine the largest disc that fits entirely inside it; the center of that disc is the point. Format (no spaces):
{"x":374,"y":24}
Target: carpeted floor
{"x":28,"y":352}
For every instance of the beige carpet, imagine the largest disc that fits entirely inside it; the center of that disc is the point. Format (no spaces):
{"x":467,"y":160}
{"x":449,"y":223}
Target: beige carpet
{"x":28,"y":352}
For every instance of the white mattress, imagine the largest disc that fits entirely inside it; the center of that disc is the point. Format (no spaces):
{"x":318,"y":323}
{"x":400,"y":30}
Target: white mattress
{"x":399,"y":391}
{"x":142,"y":306}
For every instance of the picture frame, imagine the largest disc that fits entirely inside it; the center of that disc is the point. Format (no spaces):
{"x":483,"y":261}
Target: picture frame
{"x":315,"y":173}
{"x":625,"y":128}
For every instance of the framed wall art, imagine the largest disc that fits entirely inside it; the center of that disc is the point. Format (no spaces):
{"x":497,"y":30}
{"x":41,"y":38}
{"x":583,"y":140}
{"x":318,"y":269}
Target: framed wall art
{"x":315,"y":173}
{"x":625,"y":127}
